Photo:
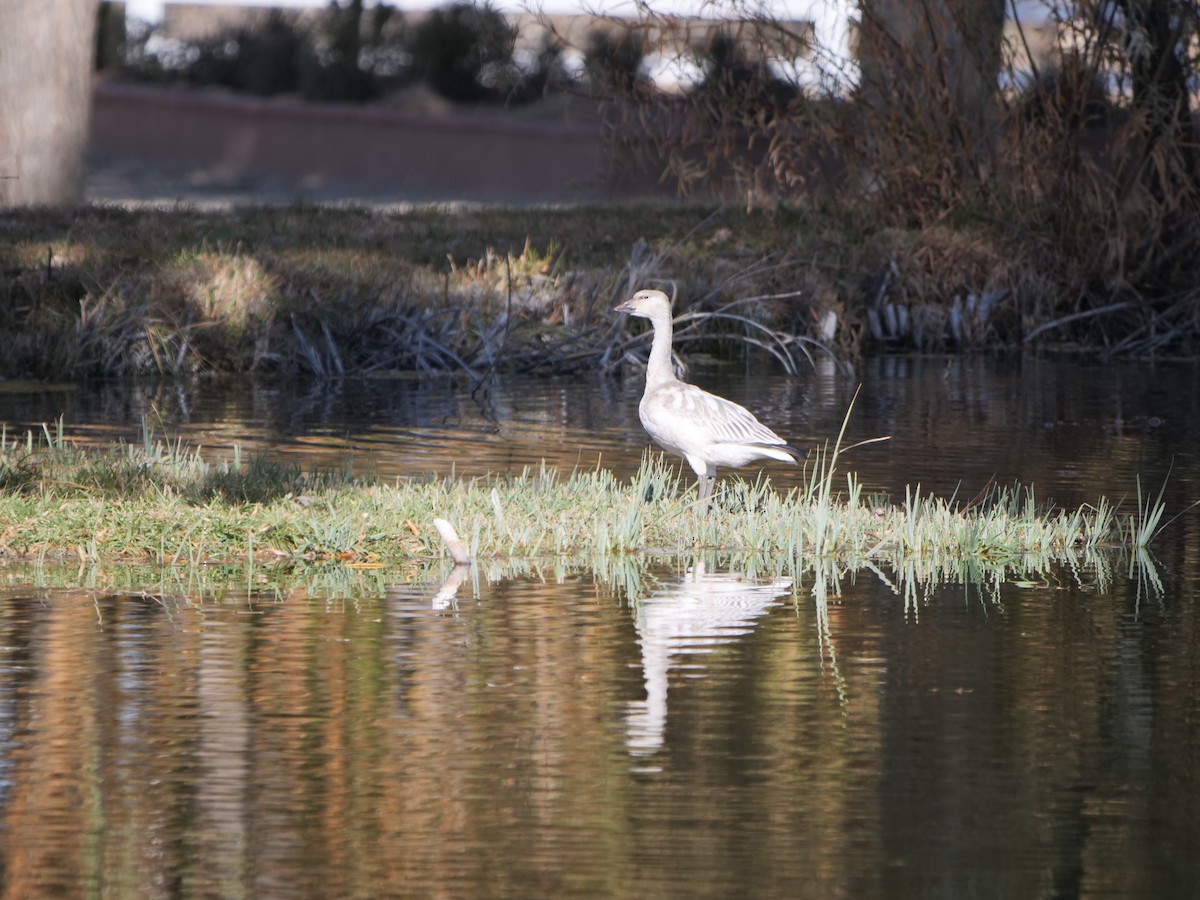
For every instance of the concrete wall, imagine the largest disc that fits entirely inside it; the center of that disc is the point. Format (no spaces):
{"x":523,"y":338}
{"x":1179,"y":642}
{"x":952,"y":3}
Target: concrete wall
{"x":427,"y":157}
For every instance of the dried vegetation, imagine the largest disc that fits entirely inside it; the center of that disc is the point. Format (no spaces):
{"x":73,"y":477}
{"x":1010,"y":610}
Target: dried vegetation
{"x":959,"y":186}
{"x":325,"y":292}
{"x":1002,"y":195}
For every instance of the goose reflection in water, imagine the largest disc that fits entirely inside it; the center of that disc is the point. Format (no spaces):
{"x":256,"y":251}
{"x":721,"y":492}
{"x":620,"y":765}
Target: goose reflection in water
{"x":696,"y":614}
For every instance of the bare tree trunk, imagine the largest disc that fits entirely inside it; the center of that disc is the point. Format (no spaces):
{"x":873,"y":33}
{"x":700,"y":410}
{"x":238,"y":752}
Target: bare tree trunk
{"x":933,"y":63}
{"x":46,"y":50}
{"x":1156,"y":38}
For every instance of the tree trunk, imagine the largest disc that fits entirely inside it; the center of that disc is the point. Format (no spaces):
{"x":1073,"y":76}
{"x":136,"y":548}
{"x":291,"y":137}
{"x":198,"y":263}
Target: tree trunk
{"x":1156,"y":35}
{"x":932,"y":65}
{"x":46,"y":50}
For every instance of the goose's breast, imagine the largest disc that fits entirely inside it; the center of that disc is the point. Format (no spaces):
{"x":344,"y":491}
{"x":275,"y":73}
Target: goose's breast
{"x":676,"y":417}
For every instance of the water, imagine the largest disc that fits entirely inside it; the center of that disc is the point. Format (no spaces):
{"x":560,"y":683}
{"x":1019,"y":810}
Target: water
{"x":555,"y":736}
{"x":653,"y":728}
{"x":1075,"y":431}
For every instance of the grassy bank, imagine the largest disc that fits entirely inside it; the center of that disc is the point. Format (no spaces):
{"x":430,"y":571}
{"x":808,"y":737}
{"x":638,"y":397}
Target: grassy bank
{"x":105,"y":291}
{"x":163,"y":503}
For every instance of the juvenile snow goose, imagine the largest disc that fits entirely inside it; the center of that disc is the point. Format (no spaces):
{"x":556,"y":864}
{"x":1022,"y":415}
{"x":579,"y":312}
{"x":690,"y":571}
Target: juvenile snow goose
{"x":706,"y":430}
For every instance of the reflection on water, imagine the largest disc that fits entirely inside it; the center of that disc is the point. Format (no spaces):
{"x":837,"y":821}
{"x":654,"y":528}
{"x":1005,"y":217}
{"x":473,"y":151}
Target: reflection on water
{"x":1022,"y":740}
{"x":447,"y":592}
{"x":692,"y":614}
{"x":1075,"y":431}
{"x":504,"y":730}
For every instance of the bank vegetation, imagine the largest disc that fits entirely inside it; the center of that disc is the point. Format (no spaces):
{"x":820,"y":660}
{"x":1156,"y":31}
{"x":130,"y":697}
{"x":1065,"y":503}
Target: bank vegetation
{"x":958,"y":186}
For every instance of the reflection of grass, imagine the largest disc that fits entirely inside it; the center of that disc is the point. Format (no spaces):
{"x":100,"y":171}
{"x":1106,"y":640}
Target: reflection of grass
{"x":346,"y":585}
{"x":163,"y":502}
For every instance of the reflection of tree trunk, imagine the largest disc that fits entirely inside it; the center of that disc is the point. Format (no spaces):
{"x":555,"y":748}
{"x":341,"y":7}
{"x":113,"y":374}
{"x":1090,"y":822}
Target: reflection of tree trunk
{"x":931,"y":66}
{"x":51,"y":810}
{"x":223,"y":795}
{"x":46,"y":49}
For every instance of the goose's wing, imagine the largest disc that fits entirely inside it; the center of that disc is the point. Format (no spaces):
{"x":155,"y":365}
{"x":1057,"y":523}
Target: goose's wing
{"x":719,"y":420}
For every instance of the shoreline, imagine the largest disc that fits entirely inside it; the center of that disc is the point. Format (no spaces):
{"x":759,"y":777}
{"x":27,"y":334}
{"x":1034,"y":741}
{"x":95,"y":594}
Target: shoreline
{"x":330,"y":291}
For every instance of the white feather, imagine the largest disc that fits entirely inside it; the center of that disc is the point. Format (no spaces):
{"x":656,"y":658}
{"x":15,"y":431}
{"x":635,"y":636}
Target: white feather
{"x":706,"y":430}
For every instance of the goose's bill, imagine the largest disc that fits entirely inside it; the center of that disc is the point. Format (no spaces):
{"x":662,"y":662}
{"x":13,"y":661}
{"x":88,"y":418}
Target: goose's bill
{"x":626,"y":307}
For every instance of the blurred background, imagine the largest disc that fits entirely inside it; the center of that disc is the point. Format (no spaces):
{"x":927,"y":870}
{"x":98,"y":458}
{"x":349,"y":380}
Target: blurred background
{"x":389,"y":102}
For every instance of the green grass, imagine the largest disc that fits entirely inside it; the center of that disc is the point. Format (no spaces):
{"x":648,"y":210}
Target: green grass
{"x":162,"y":502}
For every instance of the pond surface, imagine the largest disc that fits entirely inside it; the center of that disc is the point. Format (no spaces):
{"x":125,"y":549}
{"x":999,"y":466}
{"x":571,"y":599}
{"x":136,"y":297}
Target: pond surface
{"x":1074,"y":431}
{"x":643,"y":728}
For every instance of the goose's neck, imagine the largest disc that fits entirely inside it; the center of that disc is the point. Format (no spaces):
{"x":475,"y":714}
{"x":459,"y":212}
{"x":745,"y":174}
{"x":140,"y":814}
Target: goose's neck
{"x":659,"y":368}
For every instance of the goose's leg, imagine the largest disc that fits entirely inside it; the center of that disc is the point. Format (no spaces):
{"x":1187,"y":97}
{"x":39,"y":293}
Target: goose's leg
{"x":705,"y":476}
{"x":707,"y":479}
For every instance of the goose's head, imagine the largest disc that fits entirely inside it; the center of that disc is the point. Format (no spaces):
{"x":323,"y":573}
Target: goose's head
{"x":646,"y":304}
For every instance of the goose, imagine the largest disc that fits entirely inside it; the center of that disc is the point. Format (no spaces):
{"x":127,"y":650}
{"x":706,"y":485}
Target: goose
{"x":706,"y":430}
